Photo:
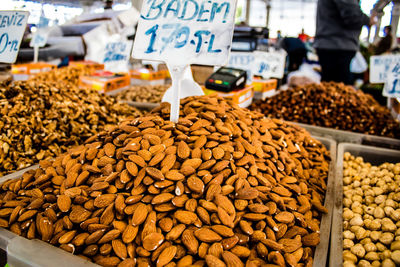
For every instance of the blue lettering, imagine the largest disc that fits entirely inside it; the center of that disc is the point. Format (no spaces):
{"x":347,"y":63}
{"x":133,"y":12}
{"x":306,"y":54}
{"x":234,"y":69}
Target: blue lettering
{"x":21,"y":18}
{"x":153,"y":32}
{"x":14,"y":45}
{"x":199,"y":34}
{"x":154,"y":6}
{"x":203,"y":10}
{"x":5,"y":37}
{"x":217,"y":9}
{"x":195,"y":8}
{"x":4,"y":21}
{"x":182,"y":31}
{"x":169,"y":8}
{"x":210,"y":45}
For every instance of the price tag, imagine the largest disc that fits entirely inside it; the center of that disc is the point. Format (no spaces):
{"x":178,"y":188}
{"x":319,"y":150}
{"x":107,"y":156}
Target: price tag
{"x":270,"y":64}
{"x":185,"y":32}
{"x":12,"y":28}
{"x":182,"y":33}
{"x":265,"y":64}
{"x":39,"y":38}
{"x":116,"y":55}
{"x":380,"y":67}
{"x":392,"y":84}
{"x":110,"y":48}
{"x":244,"y":61}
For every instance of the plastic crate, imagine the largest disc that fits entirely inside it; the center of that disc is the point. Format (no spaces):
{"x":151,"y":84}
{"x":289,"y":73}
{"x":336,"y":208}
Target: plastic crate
{"x":373,"y":155}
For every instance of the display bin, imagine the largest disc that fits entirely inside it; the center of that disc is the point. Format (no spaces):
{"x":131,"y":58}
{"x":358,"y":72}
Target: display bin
{"x":321,"y":251}
{"x":142,"y":105}
{"x":373,"y":155}
{"x":22,"y":252}
{"x":341,"y":136}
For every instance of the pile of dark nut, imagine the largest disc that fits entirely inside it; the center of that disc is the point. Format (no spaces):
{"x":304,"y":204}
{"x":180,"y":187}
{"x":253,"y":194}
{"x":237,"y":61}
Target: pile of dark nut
{"x":332,"y":105}
{"x":39,"y":121}
{"x":143,"y":93}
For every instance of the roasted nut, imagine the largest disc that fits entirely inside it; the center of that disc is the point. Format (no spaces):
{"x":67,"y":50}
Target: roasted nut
{"x":332,"y":105}
{"x":42,"y":120}
{"x":159,"y":214}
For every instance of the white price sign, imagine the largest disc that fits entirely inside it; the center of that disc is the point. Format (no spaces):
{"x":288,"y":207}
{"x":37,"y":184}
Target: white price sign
{"x":380,"y":67}
{"x":392,"y":84}
{"x":12,"y":28}
{"x":185,"y":32}
{"x":39,"y":38}
{"x":117,"y":54}
{"x":244,"y":61}
{"x":265,"y":64}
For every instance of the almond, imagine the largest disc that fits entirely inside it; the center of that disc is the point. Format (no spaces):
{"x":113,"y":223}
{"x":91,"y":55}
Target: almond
{"x":207,"y":235}
{"x":166,"y":256}
{"x":213,"y":261}
{"x":185,"y":217}
{"x":140,"y":214}
{"x":152,"y":241}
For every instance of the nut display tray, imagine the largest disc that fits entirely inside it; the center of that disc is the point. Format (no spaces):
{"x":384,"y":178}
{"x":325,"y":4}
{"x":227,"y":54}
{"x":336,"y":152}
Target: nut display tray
{"x":22,"y":252}
{"x":352,"y":137}
{"x":373,"y":155}
{"x":321,"y":252}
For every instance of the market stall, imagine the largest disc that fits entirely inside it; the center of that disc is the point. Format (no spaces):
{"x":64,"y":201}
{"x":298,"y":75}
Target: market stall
{"x":179,"y":139}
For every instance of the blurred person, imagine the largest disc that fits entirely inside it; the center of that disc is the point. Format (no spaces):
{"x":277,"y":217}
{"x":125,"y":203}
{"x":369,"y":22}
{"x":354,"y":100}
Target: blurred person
{"x":296,"y":49}
{"x":278,"y":35}
{"x":339,"y":24}
{"x":385,"y":44}
{"x":303,"y":37}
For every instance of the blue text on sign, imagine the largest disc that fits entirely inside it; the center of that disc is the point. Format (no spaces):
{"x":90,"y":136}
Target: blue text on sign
{"x":13,"y":20}
{"x":206,"y":11}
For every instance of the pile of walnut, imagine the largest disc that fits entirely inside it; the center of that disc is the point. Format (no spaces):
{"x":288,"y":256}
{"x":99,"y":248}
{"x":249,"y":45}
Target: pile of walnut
{"x":68,"y":75}
{"x":371,"y":213}
{"x":143,"y":93}
{"x":223,"y":186}
{"x":39,"y":120}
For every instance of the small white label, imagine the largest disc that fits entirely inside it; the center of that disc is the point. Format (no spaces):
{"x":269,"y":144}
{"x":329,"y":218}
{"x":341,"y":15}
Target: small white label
{"x":184,"y":32}
{"x":392,"y":84}
{"x":111,"y":49}
{"x":39,"y":38}
{"x":380,"y":67}
{"x":12,"y":28}
{"x":117,"y":54}
{"x":265,"y":64}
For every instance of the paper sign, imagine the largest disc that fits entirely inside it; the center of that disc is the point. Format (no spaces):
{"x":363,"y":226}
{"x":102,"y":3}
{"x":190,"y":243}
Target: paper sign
{"x":392,"y":84}
{"x":185,"y":31}
{"x":39,"y":38}
{"x":244,"y":61}
{"x":270,"y":64}
{"x":116,"y":54}
{"x":12,"y":28}
{"x":380,"y":67}
{"x":265,"y":64}
{"x":110,"y":48}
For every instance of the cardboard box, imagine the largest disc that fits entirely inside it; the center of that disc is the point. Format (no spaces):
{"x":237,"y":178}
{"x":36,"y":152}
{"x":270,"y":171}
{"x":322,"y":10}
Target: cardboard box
{"x":201,"y":73}
{"x":105,"y":81}
{"x":96,"y":66}
{"x":148,"y":77}
{"x":22,"y":72}
{"x":264,"y":88}
{"x":242,"y":97}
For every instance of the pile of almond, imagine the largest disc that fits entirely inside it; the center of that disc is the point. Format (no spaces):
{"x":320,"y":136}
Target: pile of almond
{"x":224,"y":187}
